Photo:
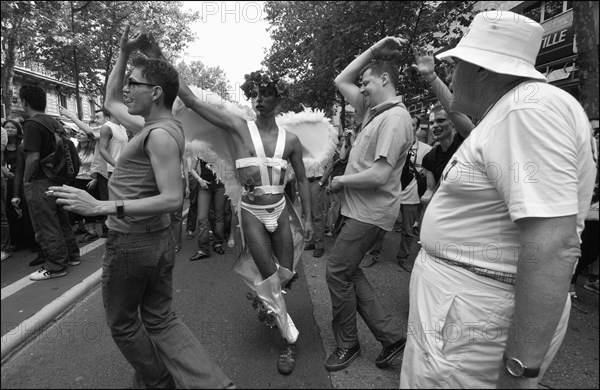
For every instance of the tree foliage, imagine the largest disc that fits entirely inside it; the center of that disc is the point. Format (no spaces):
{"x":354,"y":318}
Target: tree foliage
{"x":313,"y":41}
{"x":211,"y":78}
{"x":79,"y":40}
{"x":21,"y":21}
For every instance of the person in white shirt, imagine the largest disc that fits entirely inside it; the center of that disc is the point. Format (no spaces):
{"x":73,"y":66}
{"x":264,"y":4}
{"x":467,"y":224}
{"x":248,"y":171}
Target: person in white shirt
{"x":113,"y":138}
{"x":489,"y":293}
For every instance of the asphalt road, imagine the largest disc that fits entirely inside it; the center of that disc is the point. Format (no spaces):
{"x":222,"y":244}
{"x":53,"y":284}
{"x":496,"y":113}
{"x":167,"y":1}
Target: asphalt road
{"x":76,"y":350}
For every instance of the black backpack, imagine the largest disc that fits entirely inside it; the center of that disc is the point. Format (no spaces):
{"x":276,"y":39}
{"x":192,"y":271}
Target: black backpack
{"x":410,"y":172}
{"x":62,"y":165}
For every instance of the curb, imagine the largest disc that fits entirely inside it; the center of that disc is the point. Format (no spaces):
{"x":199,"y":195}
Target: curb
{"x":35,"y":324}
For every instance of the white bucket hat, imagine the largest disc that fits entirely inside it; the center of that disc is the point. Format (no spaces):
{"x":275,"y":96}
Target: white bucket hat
{"x":501,"y":41}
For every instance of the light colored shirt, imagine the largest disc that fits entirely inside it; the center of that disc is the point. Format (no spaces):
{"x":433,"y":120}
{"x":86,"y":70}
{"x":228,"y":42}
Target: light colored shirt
{"x":530,"y":156}
{"x":388,"y":135}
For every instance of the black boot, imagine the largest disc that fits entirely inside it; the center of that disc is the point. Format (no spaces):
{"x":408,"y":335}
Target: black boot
{"x":287,"y":358}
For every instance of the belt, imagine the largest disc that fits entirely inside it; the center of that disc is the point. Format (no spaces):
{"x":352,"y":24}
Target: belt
{"x":313,"y":179}
{"x":503,"y":277}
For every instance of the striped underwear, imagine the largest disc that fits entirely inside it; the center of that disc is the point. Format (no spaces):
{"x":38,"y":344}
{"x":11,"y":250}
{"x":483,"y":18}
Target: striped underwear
{"x":269,"y":219}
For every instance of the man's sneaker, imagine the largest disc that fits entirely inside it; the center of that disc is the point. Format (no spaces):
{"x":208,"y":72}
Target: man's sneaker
{"x":5,"y":255}
{"x":218,"y":248}
{"x":591,"y":286}
{"x":44,"y":274}
{"x":572,"y":291}
{"x":390,"y":353}
{"x":287,"y":359}
{"x":189,"y":235}
{"x":199,"y":255}
{"x":75,"y":262}
{"x":341,"y":358}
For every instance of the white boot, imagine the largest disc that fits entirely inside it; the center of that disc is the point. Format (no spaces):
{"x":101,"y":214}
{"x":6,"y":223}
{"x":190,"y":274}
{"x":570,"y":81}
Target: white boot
{"x":269,"y":291}
{"x":285,"y":275}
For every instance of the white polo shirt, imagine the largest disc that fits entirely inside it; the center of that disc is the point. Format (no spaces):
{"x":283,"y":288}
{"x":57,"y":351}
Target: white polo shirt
{"x":530,"y":156}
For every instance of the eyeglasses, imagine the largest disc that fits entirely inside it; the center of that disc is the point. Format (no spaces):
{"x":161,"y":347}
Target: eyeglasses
{"x":131,"y":82}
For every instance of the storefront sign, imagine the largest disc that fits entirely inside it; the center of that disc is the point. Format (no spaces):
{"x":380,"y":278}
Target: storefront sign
{"x":556,"y":45}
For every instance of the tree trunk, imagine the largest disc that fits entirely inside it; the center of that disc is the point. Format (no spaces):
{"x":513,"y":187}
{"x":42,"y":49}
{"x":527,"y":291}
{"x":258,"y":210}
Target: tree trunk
{"x":8,"y":71}
{"x":587,"y":53}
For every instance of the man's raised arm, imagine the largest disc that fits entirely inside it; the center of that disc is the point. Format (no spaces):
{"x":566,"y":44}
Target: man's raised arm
{"x":424,"y":64}
{"x":345,"y":80}
{"x":114,"y":88}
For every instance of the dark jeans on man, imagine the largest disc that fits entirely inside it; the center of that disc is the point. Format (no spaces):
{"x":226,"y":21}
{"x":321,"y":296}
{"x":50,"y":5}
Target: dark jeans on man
{"x":350,"y":290}
{"x":137,"y":291}
{"x":177,"y":219}
{"x":51,"y":225}
{"x":102,"y":184}
{"x":317,"y":210}
{"x":215,"y":196}
{"x":409,"y":242}
{"x":192,"y":217}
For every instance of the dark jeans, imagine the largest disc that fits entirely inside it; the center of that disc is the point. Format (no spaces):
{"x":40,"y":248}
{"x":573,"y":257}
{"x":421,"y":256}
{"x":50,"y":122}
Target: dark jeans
{"x":193,"y":209}
{"x":350,"y":290}
{"x":51,"y":225}
{"x":177,"y":219}
{"x":137,"y":291}
{"x":102,"y":185}
{"x":21,"y":230}
{"x":215,"y":196}
{"x":409,"y":242}
{"x":317,"y":210}
{"x":82,"y":185}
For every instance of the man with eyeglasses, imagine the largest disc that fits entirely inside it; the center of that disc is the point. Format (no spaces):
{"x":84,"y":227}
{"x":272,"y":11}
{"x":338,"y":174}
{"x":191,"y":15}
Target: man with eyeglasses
{"x":263,"y":152}
{"x":137,"y":279}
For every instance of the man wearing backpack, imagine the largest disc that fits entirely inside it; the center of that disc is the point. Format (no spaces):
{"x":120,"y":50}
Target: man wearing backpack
{"x":50,"y":221}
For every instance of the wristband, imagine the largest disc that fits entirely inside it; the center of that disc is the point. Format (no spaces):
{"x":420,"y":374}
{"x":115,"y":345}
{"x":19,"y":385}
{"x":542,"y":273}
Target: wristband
{"x":429,"y":80}
{"x":120,"y":209}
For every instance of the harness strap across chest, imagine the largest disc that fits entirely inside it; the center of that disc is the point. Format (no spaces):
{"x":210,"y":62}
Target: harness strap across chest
{"x":262,"y":162}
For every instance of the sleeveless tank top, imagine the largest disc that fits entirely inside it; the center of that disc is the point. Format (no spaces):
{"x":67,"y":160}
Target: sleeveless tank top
{"x":134,"y":178}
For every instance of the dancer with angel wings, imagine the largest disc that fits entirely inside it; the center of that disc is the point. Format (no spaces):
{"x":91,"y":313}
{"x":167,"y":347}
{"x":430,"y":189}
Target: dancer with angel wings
{"x":262,"y":150}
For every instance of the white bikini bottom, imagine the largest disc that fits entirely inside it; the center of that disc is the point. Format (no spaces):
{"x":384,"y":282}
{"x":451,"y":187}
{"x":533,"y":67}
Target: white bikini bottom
{"x":268,"y":218}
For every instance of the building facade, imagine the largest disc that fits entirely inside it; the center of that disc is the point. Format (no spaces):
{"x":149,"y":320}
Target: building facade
{"x":58,"y":93}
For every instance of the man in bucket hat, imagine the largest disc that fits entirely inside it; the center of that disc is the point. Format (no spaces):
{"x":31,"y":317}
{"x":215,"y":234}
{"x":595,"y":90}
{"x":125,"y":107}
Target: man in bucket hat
{"x":489,"y":294}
